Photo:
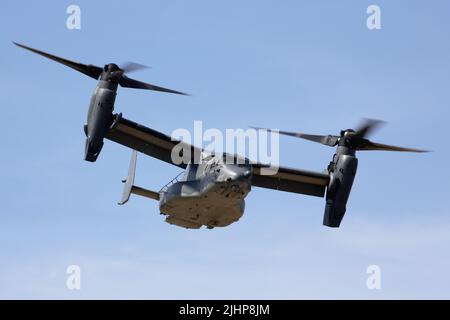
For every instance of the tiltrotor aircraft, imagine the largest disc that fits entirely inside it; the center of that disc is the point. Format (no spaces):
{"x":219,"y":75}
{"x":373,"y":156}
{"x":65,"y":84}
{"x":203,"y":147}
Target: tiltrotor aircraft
{"x":211,"y":191}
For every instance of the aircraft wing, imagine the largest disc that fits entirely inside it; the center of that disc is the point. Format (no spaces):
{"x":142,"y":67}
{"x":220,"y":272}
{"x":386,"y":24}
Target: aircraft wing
{"x":291,"y":180}
{"x":158,"y":145}
{"x":148,"y":141}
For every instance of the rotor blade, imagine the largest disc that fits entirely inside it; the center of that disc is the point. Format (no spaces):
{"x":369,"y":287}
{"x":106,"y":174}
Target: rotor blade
{"x":128,"y":67}
{"x":368,"y":127}
{"x":385,"y":147}
{"x":131,"y":83}
{"x":326,"y":140}
{"x":88,"y":69}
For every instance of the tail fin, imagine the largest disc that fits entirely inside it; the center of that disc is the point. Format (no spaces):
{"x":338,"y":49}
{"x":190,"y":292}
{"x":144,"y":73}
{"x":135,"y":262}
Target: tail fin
{"x":129,"y":186}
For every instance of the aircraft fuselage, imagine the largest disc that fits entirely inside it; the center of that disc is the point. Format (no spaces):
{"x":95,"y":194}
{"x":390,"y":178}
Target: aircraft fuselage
{"x":210,"y":194}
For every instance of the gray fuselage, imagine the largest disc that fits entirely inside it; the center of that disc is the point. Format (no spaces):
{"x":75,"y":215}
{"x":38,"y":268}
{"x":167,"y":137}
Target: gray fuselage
{"x":210,"y":193}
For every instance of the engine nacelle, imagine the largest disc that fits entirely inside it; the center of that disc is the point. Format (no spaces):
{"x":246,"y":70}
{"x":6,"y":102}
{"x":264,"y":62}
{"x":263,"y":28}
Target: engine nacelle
{"x":342,"y":171}
{"x":100,"y":118}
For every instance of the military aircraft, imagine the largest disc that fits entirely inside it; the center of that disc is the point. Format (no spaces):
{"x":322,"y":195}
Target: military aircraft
{"x":212,"y":189}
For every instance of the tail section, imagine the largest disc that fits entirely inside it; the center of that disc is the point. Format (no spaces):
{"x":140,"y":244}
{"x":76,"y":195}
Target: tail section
{"x":129,"y":186}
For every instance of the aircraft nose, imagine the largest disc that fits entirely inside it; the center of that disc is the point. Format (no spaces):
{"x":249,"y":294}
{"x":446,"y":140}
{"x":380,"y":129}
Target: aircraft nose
{"x":247,"y":174}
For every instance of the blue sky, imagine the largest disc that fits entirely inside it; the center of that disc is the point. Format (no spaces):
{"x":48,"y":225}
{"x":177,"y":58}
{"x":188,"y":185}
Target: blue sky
{"x":304,"y":66}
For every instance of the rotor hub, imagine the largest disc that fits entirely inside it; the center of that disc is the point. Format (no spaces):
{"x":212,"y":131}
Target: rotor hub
{"x":111,"y":67}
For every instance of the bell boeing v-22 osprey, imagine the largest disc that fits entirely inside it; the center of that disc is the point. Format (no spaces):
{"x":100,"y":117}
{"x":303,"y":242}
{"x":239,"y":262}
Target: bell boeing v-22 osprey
{"x":211,"y":192}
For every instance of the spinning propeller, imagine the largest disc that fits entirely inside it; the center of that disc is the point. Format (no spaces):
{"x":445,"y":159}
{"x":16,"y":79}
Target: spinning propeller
{"x":355,"y":139}
{"x":116,"y":72}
